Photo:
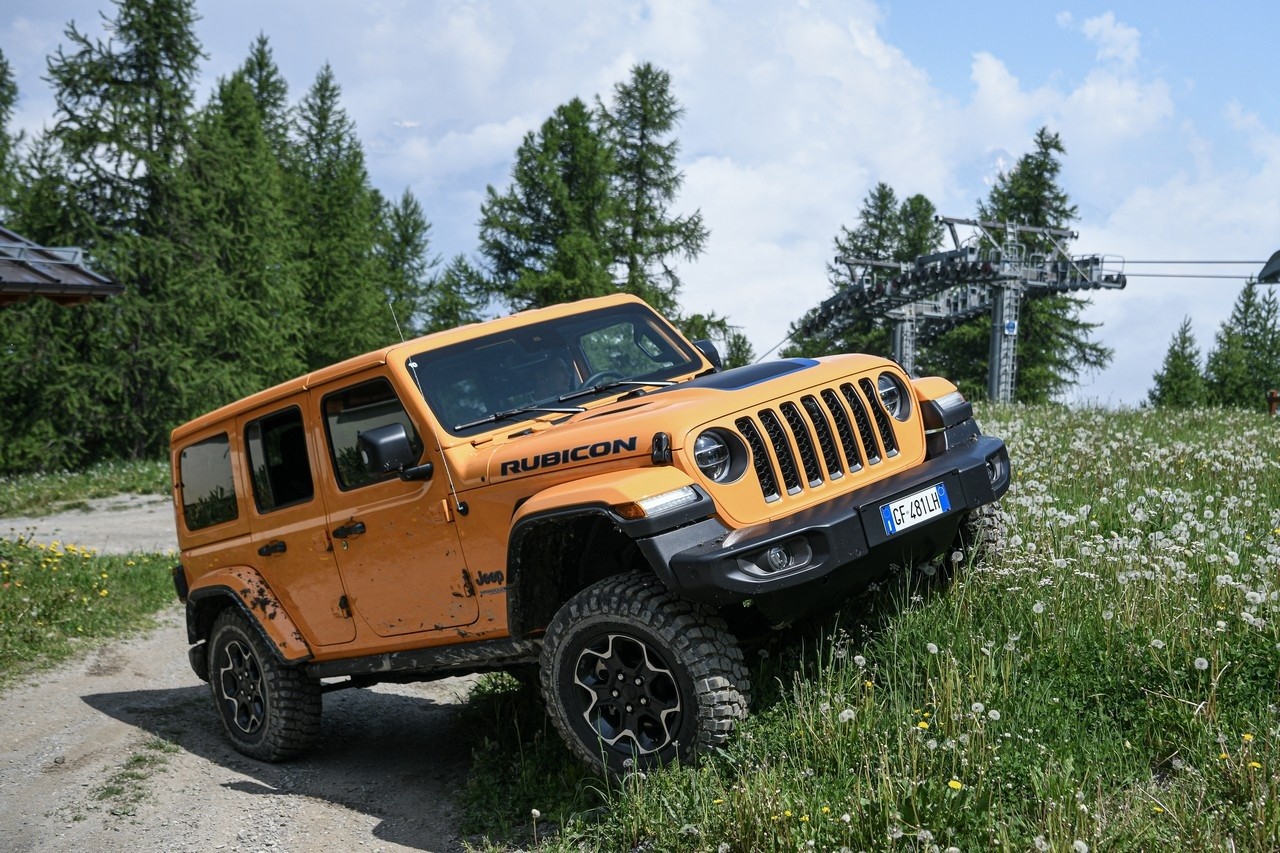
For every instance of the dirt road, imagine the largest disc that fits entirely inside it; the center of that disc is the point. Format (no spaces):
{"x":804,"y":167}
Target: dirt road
{"x":121,"y":750}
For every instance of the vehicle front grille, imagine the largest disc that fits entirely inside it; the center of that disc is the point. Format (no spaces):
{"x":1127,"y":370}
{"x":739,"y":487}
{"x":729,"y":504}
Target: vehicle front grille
{"x":820,"y":437}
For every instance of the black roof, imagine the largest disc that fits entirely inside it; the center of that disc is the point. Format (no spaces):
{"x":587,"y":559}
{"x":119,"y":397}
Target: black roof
{"x":28,"y":269}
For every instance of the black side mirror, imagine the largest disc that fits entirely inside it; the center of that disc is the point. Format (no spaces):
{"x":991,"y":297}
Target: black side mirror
{"x":387,"y":448}
{"x":709,"y":350}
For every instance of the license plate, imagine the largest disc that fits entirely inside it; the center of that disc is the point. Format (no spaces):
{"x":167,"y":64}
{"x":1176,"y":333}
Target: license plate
{"x":914,"y":508}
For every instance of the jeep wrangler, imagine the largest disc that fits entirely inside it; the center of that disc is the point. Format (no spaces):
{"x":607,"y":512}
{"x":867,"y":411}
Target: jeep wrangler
{"x":577,"y":487}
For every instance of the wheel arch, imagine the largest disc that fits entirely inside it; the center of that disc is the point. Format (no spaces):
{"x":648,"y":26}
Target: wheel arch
{"x":243,"y":588}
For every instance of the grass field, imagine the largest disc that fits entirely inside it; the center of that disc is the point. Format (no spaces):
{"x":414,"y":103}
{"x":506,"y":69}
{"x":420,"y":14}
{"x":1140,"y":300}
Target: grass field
{"x":41,"y":494}
{"x":1109,"y":682}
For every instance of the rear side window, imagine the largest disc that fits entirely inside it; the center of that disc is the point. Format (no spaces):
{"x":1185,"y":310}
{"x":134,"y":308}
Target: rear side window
{"x":350,"y":412}
{"x":208,"y":491}
{"x":279,"y":461}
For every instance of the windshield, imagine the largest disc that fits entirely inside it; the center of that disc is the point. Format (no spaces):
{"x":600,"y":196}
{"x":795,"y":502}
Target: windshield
{"x":523,"y":373}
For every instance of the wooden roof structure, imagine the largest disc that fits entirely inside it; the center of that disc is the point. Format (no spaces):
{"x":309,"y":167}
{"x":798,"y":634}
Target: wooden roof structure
{"x":28,"y":269}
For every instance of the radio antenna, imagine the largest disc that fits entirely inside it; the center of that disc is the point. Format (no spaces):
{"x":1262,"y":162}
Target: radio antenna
{"x":395,"y":320}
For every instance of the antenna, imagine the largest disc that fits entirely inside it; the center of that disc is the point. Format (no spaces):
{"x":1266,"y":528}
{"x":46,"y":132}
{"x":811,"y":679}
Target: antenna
{"x":399,"y":331}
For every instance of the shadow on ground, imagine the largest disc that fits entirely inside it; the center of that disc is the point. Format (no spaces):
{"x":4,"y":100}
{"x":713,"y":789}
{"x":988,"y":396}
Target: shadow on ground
{"x":399,"y":758}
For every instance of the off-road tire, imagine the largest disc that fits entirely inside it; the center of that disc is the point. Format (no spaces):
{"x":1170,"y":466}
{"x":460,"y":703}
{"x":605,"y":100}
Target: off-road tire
{"x":269,"y":711}
{"x":634,"y":676}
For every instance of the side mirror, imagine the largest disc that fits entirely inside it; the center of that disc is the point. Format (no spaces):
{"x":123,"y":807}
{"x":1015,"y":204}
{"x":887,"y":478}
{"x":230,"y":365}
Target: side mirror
{"x":387,"y":448}
{"x":708,"y":349}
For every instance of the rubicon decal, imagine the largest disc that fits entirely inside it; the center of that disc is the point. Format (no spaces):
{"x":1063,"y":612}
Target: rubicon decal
{"x":580,"y":453}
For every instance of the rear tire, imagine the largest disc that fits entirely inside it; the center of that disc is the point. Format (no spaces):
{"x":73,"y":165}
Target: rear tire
{"x":635,"y":677}
{"x":269,"y":711}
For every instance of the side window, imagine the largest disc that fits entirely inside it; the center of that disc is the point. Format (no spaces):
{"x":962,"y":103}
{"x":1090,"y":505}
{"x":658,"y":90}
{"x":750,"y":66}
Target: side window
{"x":277,"y":446}
{"x":208,"y":492}
{"x":353,"y":410}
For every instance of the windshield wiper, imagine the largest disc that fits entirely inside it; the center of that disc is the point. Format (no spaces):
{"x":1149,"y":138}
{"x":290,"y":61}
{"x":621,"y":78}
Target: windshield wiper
{"x":511,"y":413}
{"x":617,"y":383}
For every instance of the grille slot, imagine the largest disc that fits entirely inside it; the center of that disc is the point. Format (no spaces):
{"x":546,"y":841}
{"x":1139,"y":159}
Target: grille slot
{"x":844,"y":429}
{"x":881,"y":416}
{"x":759,"y":459}
{"x":863,"y":422}
{"x":826,"y":441}
{"x":804,"y":443}
{"x":782,"y":450}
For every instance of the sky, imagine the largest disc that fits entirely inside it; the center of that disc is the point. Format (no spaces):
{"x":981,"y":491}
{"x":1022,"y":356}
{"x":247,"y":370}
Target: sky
{"x":1169,"y":111}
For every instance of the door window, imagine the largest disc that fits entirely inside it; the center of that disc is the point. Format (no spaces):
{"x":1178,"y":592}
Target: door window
{"x":351,"y":411}
{"x":279,"y":460}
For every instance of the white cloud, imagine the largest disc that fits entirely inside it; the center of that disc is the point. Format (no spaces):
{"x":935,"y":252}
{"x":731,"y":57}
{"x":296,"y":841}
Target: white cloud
{"x":1114,"y":40}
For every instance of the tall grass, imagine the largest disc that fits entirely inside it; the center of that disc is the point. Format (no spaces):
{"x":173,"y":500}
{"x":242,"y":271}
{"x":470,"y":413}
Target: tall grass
{"x":41,"y":494}
{"x":1107,"y":682}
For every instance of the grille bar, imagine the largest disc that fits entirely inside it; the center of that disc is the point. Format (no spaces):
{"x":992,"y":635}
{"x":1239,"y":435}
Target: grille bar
{"x":861,"y":418}
{"x":782,"y":450}
{"x":759,"y":459}
{"x":826,"y":440}
{"x":844,"y":429}
{"x":804,"y":443}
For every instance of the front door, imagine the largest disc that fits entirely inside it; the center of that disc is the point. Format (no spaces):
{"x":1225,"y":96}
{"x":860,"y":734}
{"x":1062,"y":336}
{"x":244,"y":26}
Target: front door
{"x":396,"y":542}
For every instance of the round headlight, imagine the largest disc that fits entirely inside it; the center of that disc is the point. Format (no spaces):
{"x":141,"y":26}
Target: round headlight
{"x":712,"y":455}
{"x":894,"y":396}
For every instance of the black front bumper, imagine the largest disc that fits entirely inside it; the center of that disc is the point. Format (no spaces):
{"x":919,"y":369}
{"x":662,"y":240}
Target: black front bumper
{"x":835,"y":548}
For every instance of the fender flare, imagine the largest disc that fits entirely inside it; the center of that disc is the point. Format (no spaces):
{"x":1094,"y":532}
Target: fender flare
{"x":599,"y":496}
{"x":247,"y":590}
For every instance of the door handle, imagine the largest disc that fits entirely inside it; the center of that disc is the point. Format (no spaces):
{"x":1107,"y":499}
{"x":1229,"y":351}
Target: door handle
{"x":355,"y":528}
{"x":276,"y":547}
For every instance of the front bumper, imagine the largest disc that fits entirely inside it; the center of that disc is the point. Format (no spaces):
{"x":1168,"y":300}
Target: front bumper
{"x":835,"y":548}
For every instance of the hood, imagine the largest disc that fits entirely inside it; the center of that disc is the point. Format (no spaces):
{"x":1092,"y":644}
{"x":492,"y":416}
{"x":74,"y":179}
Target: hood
{"x":626,"y":427}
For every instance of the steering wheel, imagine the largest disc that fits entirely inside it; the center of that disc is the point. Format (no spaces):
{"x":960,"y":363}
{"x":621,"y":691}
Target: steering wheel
{"x":600,"y":376}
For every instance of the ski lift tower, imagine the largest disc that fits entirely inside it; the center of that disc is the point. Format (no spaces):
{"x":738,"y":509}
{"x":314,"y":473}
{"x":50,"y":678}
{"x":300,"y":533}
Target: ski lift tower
{"x":940,"y":290}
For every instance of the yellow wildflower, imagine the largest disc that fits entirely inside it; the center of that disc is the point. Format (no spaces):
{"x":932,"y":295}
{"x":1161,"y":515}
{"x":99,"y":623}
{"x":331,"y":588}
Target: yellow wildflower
{"x":955,"y":784}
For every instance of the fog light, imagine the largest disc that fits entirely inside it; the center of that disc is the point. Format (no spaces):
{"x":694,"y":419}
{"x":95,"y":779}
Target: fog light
{"x":779,"y":557}
{"x":995,"y":470}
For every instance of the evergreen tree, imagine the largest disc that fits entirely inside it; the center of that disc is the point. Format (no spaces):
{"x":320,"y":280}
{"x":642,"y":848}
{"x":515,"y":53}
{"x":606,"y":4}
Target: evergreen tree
{"x":1054,"y":344}
{"x":121,"y":127}
{"x":246,"y":318}
{"x":547,"y":239}
{"x":648,"y":238}
{"x":887,"y":231}
{"x":1244,"y":362}
{"x":1179,"y":383}
{"x":405,"y":248}
{"x":454,"y":297}
{"x":8,"y":143}
{"x":734,"y":348}
{"x":270,"y":93}
{"x":337,"y":215}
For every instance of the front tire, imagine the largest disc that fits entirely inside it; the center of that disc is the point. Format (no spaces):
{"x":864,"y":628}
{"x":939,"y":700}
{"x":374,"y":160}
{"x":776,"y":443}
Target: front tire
{"x":635,"y":677}
{"x":269,"y":711}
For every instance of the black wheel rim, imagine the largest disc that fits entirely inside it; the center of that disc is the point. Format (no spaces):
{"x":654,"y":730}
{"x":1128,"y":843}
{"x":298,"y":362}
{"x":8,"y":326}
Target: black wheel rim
{"x":240,"y":683}
{"x":633,"y":700}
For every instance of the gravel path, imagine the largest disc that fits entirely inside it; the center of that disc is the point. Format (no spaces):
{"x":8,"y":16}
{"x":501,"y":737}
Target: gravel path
{"x":87,"y":756}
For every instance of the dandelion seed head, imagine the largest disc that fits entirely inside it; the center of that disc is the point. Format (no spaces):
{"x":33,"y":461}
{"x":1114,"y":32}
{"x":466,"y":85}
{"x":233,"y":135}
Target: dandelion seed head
{"x":993,"y":714}
{"x":1038,"y":607}
{"x":977,"y":707}
{"x":860,"y":660}
{"x":1201,"y":664}
{"x":932,"y":648}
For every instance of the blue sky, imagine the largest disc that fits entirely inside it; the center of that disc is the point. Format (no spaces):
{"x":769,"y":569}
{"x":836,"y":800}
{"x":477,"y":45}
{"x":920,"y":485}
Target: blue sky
{"x":1170,"y":113}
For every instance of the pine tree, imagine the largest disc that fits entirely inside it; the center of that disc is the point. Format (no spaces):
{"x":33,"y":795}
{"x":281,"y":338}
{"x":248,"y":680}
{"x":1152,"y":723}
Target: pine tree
{"x":640,"y":125}
{"x":241,"y":281}
{"x":887,"y":231}
{"x":337,"y":216}
{"x":1245,"y":360}
{"x":404,"y":245}
{"x":8,"y":143}
{"x":270,"y":93}
{"x":454,"y":297}
{"x":121,"y":127}
{"x":547,"y":239}
{"x":1054,"y":344}
{"x":1179,"y":383}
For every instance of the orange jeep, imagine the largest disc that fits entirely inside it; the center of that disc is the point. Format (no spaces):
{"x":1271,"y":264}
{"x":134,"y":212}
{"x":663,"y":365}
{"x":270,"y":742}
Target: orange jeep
{"x":576,"y":486}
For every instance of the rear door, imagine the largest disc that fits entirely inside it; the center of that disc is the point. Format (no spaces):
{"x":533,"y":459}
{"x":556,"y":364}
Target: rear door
{"x":287,"y":521}
{"x":396,"y":542}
